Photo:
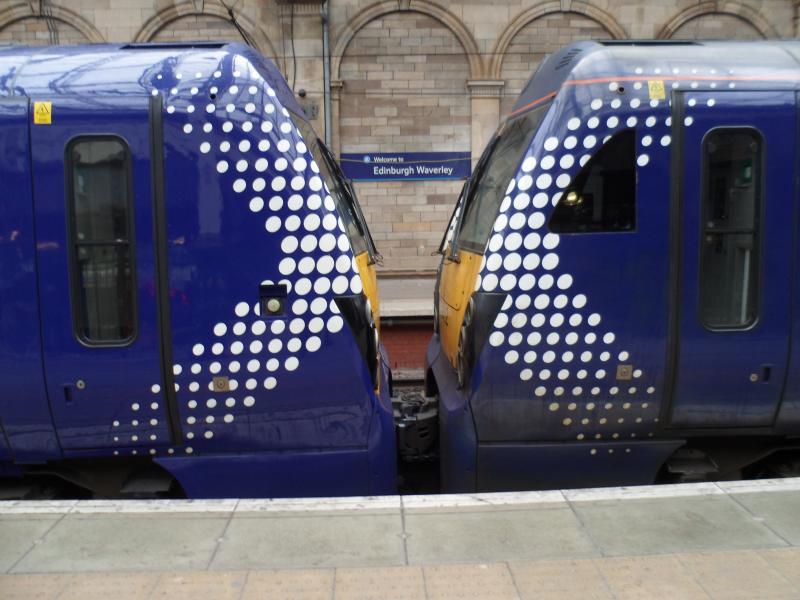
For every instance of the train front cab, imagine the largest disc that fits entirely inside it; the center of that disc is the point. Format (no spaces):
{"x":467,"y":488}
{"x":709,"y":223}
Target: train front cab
{"x":187,"y":280}
{"x":617,"y":278}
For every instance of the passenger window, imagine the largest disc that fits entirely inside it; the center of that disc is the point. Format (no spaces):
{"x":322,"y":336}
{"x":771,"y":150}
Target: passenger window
{"x":488,"y":185}
{"x":104,"y":287}
{"x":732,"y":190}
{"x":602,"y":197}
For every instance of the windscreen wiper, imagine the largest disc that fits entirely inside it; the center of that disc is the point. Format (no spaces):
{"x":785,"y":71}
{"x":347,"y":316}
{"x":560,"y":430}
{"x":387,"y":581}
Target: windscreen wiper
{"x":375,"y":256}
{"x":476,"y":175}
{"x":461,"y":196}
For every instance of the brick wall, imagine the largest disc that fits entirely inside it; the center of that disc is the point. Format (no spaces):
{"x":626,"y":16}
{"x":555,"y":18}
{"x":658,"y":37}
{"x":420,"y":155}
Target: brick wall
{"x":198,"y":27}
{"x":34,"y":32}
{"x":406,"y":343}
{"x":538,"y":38}
{"x":405,"y":75}
{"x":404,"y":89}
{"x":715,"y":27}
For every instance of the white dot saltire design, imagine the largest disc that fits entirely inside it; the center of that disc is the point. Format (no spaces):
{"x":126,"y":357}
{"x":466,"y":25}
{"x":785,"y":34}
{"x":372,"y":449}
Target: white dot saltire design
{"x":251,"y":144}
{"x":561,"y":347}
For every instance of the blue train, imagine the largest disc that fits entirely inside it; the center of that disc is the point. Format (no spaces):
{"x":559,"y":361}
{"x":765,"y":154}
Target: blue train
{"x":618,"y":300}
{"x":188,"y":300}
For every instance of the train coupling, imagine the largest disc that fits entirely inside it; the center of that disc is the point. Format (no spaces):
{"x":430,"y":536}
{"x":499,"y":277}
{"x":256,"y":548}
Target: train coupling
{"x":416,"y":419}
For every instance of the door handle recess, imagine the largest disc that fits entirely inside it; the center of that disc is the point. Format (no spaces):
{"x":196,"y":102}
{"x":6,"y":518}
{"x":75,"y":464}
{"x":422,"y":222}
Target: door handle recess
{"x":763,"y":376}
{"x":68,"y":389}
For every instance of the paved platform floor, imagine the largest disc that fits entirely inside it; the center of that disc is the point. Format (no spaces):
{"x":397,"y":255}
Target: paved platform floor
{"x":406,"y":296}
{"x":726,"y":540}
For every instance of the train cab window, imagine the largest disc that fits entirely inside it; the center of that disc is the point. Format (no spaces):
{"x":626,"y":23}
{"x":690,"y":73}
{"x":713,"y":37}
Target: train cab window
{"x":602,"y":197}
{"x":341,"y":191}
{"x":486,"y":189}
{"x":731,"y":203}
{"x":100,"y":219}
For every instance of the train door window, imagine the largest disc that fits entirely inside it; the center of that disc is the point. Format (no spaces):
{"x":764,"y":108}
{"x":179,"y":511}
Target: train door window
{"x":602,"y":197}
{"x":731,"y":202}
{"x":487,"y":187}
{"x":100,"y":223}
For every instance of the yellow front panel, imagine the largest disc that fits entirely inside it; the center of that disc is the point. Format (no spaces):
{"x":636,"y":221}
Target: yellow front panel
{"x":455,"y":288}
{"x":369,"y":280}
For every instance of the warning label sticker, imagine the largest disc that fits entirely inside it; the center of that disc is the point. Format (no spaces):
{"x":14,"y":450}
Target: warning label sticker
{"x":656,"y":90}
{"x":42,"y":113}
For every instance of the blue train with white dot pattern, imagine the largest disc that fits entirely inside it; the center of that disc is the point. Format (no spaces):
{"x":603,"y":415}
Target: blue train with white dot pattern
{"x":189,"y":296}
{"x":617,"y":298}
{"x":188,"y":282}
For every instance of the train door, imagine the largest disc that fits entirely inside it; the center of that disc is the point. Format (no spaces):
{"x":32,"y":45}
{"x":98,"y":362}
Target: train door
{"x":27,"y":427}
{"x":737,"y":157}
{"x":98,"y":274}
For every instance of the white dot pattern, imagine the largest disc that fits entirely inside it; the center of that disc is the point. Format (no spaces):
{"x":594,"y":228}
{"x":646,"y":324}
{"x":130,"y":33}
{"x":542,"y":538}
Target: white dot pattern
{"x":259,"y":155}
{"x":561,"y":346}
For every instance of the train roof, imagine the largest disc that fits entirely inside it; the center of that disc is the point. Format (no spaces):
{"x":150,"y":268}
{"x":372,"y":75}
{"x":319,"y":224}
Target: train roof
{"x":132,"y":69}
{"x":774,"y":61}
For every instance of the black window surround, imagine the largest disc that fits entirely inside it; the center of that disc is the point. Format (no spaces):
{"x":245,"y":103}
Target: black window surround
{"x":90,"y":244}
{"x":730,"y":228}
{"x":602,"y":196}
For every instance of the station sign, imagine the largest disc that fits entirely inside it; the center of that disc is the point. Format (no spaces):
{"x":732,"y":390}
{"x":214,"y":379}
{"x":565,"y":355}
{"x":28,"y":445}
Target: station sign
{"x":406,"y":166}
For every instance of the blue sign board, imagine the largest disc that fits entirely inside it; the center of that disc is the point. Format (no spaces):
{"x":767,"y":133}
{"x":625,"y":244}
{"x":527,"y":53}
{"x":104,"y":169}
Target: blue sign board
{"x":406,"y":166}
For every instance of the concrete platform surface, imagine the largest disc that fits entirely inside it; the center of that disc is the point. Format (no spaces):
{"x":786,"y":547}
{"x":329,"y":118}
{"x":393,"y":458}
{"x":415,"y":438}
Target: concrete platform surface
{"x":725,"y":540}
{"x":406,"y":296}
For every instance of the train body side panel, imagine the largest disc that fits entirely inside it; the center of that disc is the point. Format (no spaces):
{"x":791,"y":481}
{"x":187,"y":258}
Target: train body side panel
{"x":550,"y":371}
{"x":24,"y":411}
{"x":247,"y":211}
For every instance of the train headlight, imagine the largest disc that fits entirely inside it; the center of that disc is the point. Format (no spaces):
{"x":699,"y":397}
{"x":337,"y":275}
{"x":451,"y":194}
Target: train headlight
{"x":272,"y":298}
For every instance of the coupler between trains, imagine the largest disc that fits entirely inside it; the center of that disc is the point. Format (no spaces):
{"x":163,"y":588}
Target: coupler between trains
{"x":416,"y":419}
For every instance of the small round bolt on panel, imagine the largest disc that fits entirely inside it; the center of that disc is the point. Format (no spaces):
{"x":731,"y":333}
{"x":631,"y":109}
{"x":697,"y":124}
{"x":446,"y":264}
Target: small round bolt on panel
{"x":753,"y":377}
{"x":80,"y":384}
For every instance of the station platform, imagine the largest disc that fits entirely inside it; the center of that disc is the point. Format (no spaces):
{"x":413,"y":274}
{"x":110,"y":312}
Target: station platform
{"x":698,"y":541}
{"x":406,"y":296}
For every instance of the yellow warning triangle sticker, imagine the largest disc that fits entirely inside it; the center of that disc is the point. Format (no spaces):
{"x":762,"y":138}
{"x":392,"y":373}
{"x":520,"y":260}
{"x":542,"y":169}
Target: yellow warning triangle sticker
{"x":42,"y":113}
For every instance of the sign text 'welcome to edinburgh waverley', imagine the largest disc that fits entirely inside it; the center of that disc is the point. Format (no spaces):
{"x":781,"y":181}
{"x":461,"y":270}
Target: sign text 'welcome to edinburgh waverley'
{"x":406,"y":166}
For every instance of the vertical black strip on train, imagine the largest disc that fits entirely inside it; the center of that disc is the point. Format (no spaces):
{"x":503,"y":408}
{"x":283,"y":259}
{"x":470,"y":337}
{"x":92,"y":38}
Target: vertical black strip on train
{"x":675,"y":257}
{"x":795,"y":195}
{"x":162,"y":279}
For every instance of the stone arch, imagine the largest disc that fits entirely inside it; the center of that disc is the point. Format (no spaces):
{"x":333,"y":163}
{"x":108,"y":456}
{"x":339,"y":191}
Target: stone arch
{"x":734,"y":10}
{"x":401,"y":77}
{"x":425,"y":7}
{"x":21,"y":12}
{"x":187,"y":9}
{"x":548,"y":7}
{"x":539,"y":31}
